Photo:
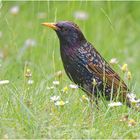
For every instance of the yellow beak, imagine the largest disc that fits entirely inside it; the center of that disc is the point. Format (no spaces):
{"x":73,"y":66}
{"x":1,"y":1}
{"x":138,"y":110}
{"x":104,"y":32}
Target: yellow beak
{"x":50,"y":25}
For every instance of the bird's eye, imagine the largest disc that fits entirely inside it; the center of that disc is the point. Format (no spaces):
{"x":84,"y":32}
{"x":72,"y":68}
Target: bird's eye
{"x":64,"y":29}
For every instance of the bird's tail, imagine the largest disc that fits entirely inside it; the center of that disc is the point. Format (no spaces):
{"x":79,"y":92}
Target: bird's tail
{"x":132,"y":101}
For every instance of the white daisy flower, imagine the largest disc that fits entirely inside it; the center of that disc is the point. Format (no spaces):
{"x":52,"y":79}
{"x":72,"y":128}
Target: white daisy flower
{"x":60,"y":103}
{"x":54,"y":98}
{"x":131,"y":96}
{"x":113,"y":104}
{"x":113,"y":61}
{"x":4,"y":82}
{"x":52,"y":87}
{"x":30,"y":82}
{"x":81,"y":15}
{"x":30,"y":42}
{"x":73,"y":86}
{"x":56,"y":83}
{"x":14,"y":10}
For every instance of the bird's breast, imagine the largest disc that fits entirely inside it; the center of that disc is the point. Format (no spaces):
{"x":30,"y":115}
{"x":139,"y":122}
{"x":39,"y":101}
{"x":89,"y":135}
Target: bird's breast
{"x":75,"y":66}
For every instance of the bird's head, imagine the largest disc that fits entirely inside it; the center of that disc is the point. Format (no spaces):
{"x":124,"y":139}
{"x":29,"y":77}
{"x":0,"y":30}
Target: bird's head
{"x":68,"y":32}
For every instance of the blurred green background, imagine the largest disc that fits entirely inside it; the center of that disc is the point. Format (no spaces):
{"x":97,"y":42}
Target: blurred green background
{"x":113,"y":28}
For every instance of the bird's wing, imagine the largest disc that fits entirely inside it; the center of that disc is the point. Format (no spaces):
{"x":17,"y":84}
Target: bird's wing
{"x":105,"y":72}
{"x":109,"y":76}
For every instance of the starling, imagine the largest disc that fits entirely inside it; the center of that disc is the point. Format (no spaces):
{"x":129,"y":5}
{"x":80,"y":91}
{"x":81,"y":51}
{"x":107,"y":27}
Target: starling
{"x":86,"y":67}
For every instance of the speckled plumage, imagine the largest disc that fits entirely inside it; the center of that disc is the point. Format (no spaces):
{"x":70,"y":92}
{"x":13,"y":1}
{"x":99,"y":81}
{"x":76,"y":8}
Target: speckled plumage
{"x":85,"y":66}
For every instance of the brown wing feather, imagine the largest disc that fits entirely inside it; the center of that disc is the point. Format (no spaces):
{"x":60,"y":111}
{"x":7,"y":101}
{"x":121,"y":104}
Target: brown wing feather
{"x":111,"y":77}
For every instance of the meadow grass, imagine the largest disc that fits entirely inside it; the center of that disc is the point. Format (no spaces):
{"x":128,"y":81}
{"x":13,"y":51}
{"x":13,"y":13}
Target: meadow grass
{"x":29,"y":51}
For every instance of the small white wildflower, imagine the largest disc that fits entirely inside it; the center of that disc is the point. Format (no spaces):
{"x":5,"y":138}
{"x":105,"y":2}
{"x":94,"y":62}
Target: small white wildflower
{"x":56,"y":82}
{"x":113,"y":61}
{"x":30,"y":42}
{"x":14,"y":10}
{"x":60,"y":103}
{"x":4,"y":82}
{"x":30,"y":82}
{"x":81,"y":15}
{"x":131,"y":96}
{"x":66,"y":102}
{"x":132,"y":99}
{"x":52,"y":87}
{"x":113,"y":104}
{"x":73,"y":86}
{"x":54,"y":98}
